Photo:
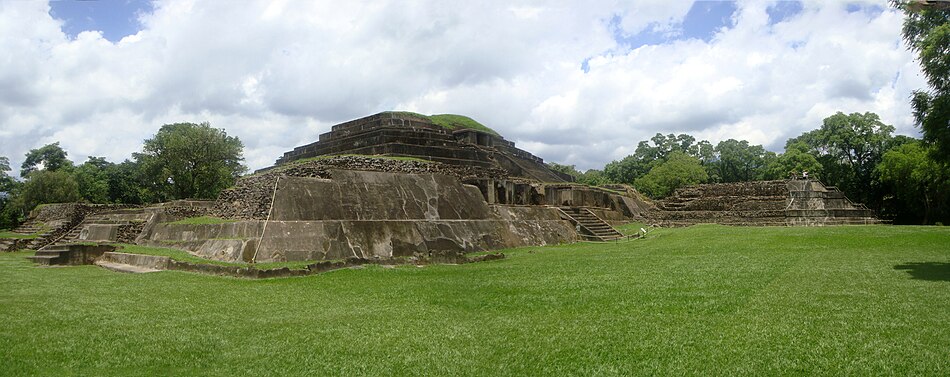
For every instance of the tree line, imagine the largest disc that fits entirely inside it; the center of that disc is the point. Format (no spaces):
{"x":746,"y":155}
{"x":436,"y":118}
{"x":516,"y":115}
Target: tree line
{"x":898,"y":176}
{"x":905,"y":179}
{"x":181,"y":161}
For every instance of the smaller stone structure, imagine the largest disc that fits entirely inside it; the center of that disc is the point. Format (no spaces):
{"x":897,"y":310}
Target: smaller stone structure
{"x":776,"y":203}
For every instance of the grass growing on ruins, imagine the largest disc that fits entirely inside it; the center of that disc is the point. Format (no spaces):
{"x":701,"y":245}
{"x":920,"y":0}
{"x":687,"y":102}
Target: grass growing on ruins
{"x":863,"y":300}
{"x":203,"y":220}
{"x":9,"y":234}
{"x":452,"y":121}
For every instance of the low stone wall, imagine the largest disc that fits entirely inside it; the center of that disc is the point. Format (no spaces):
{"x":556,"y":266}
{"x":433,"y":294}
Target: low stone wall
{"x":339,"y":239}
{"x":86,"y":254}
{"x":154,"y":262}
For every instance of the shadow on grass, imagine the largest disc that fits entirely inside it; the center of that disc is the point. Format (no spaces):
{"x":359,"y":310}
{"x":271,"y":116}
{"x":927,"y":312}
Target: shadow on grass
{"x":933,"y":271}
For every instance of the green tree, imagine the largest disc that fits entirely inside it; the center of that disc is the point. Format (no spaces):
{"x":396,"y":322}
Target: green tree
{"x":187,"y":160}
{"x":927,"y":32}
{"x":648,"y":155}
{"x":124,"y":183}
{"x":6,"y":181}
{"x":9,"y":217}
{"x":564,"y":169}
{"x":51,"y":156}
{"x":849,"y":147}
{"x":93,"y":179}
{"x":920,"y":184}
{"x":593,"y":177}
{"x":679,"y":170}
{"x":46,"y":186}
{"x":795,"y":160}
{"x":739,"y":161}
{"x":627,"y":169}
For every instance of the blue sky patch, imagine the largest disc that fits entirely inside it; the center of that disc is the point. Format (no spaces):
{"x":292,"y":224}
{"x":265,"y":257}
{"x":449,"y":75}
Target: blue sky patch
{"x":872,"y":10}
{"x":114,"y":18}
{"x":705,"y":18}
{"x":703,"y":21}
{"x":783,"y":10}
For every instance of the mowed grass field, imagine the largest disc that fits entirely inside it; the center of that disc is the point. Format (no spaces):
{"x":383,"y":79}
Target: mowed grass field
{"x":704,"y":300}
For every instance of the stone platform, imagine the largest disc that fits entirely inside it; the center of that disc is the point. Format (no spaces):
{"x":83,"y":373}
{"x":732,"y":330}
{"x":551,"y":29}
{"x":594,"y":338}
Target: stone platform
{"x":765,"y":203}
{"x":366,"y":214}
{"x":403,"y":134}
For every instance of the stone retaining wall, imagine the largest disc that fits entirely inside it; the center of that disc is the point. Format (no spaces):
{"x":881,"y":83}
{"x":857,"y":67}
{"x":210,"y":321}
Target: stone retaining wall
{"x":251,"y":196}
{"x":155,"y":262}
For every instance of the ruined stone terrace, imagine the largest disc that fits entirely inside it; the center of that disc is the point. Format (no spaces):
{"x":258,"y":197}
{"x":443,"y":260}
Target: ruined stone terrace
{"x":409,"y":135}
{"x":775,"y":203}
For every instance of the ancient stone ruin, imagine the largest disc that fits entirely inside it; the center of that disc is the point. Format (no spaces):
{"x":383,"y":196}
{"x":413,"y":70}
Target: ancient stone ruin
{"x":401,"y":187}
{"x":383,"y":187}
{"x":787,"y":202}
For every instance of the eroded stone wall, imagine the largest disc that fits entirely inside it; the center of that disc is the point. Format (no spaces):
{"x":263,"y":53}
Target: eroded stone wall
{"x":251,"y":196}
{"x":365,"y":214}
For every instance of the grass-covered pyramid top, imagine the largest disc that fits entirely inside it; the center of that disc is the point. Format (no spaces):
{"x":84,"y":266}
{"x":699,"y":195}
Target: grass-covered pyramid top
{"x":450,"y":121}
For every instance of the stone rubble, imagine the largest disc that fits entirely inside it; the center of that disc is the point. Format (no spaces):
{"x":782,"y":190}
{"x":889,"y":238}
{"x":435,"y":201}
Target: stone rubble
{"x":251,"y":196}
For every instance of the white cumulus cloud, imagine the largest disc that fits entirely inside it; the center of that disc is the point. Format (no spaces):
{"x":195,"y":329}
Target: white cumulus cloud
{"x":279,"y":73}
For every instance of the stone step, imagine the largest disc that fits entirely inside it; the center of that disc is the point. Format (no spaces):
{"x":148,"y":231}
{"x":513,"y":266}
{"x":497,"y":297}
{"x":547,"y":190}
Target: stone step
{"x":45,"y":260}
{"x":51,"y":253}
{"x":120,"y":267}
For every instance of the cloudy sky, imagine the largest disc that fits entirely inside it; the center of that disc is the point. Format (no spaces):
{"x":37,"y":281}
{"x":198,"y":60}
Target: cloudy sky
{"x":576,"y":82}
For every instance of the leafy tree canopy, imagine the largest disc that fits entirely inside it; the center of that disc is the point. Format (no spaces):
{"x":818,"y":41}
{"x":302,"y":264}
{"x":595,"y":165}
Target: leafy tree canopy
{"x":51,"y":156}
{"x":927,"y":32}
{"x":648,"y":155}
{"x":48,"y":186}
{"x":738,"y":161}
{"x":6,"y":181}
{"x":849,"y":146}
{"x":187,"y":160}
{"x":795,"y":161}
{"x":920,"y":184}
{"x":93,"y":179}
{"x":679,"y":170}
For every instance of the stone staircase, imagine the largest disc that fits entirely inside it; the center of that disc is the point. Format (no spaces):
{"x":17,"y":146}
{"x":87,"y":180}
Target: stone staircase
{"x":51,"y":256}
{"x":70,"y":254}
{"x":128,"y":220}
{"x":592,"y":227}
{"x":30,"y":228}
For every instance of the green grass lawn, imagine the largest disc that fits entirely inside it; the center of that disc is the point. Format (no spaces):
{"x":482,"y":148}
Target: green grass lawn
{"x":10,"y":234}
{"x":865,"y":300}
